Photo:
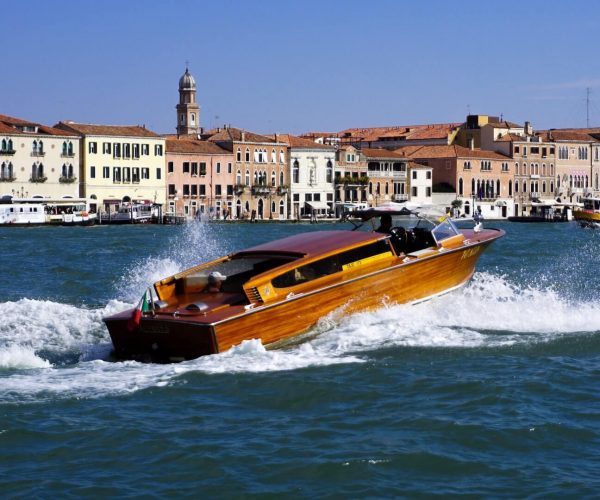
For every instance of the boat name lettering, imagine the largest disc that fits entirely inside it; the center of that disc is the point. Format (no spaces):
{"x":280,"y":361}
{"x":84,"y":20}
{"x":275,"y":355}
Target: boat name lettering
{"x":470,"y":252}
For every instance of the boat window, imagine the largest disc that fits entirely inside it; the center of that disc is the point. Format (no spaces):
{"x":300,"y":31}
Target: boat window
{"x":445,"y":229}
{"x":333,"y":264}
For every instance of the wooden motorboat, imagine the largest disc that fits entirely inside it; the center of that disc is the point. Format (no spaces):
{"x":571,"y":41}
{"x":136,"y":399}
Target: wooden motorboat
{"x":279,"y":290}
{"x":589,"y":214}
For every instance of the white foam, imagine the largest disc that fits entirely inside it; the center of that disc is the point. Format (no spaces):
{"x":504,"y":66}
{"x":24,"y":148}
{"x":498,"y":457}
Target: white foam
{"x":489,"y":312}
{"x":21,"y":357}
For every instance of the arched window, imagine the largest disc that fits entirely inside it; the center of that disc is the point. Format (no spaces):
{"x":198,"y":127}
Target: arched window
{"x":273,"y":177}
{"x":497,"y":187}
{"x":510,"y":188}
{"x":296,"y":172}
{"x":247,"y":177}
{"x":281,"y":178}
{"x":516,"y":169}
{"x":70,"y":172}
{"x":460,"y":187}
{"x":370,"y":188}
{"x":329,"y":172}
{"x":281,"y":208}
{"x":238,"y":155}
{"x":238,"y":177}
{"x":473,"y":191}
{"x":247,"y":154}
{"x":273,"y":156}
{"x":64,"y":170}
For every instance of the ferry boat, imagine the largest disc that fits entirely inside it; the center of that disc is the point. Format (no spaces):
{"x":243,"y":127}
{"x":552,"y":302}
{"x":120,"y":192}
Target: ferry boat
{"x":16,"y":212}
{"x":589,"y":214}
{"x":132,"y":213}
{"x":279,"y":290}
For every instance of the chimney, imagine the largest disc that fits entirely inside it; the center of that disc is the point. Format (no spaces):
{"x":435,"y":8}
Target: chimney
{"x":471,"y":143}
{"x":276,"y":137}
{"x":243,"y":136}
{"x":528,"y":128}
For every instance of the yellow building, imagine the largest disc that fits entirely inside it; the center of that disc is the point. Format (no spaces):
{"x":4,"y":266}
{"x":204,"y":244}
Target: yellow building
{"x":119,"y":164}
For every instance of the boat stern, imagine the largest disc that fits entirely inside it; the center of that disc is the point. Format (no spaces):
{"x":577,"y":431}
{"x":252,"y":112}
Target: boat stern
{"x":159,"y":339}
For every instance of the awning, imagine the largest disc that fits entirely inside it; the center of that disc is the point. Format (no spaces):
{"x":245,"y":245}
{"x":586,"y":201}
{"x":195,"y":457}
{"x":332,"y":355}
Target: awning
{"x":318,"y":205}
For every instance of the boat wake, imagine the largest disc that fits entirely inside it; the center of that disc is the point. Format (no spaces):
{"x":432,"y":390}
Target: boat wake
{"x":52,"y":350}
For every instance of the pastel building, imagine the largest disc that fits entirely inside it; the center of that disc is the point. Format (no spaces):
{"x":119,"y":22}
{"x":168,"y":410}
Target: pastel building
{"x":479,"y":178}
{"x":200,"y":179}
{"x":119,"y":164}
{"x":260,"y":165}
{"x":37,"y":161}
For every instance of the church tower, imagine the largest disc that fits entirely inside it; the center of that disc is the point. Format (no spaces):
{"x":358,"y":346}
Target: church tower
{"x":188,"y":111}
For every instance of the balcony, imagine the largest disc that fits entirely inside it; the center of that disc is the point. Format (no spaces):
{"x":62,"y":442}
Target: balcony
{"x":386,"y":174}
{"x":64,"y":179}
{"x":281,"y":190}
{"x":7,"y":152}
{"x":239,"y":189}
{"x":38,"y":179}
{"x":260,"y":190}
{"x":8,"y":179}
{"x":38,"y":154}
{"x":400,"y":197}
{"x":66,"y":154}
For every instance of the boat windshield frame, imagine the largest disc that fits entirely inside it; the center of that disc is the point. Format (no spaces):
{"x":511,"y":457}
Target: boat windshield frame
{"x":441,"y":226}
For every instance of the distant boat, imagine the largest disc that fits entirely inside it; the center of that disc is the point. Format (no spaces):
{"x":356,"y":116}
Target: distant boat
{"x":19,"y":212}
{"x":546,"y":212}
{"x":279,"y":290}
{"x":589,"y":214}
{"x":132,"y":213}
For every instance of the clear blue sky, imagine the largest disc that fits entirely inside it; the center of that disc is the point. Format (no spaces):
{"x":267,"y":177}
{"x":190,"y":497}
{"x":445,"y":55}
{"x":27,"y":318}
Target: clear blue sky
{"x":294,"y":66}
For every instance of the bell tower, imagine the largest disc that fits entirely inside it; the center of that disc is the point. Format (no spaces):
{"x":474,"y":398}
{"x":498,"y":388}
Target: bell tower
{"x":188,"y":111}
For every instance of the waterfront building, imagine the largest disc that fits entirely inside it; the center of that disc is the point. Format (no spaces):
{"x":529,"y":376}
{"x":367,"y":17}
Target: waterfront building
{"x":119,"y":164}
{"x":311,"y":167}
{"x":37,"y":161}
{"x":386,"y":176}
{"x":577,"y":157}
{"x":421,"y":179}
{"x":260,"y":165}
{"x":351,"y":178}
{"x":200,"y":178}
{"x":479,"y":178}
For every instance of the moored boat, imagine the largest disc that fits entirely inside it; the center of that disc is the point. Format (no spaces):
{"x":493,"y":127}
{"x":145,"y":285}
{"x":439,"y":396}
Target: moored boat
{"x":278,"y":290}
{"x":589,"y":214}
{"x":19,"y":212}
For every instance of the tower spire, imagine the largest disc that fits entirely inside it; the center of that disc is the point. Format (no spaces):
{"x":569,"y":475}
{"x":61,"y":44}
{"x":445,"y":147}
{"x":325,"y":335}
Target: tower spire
{"x":188,"y":111}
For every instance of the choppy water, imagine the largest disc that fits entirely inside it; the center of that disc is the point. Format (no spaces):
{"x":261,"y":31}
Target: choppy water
{"x":490,"y":391}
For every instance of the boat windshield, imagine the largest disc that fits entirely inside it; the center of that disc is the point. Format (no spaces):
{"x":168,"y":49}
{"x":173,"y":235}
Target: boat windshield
{"x":445,"y":229}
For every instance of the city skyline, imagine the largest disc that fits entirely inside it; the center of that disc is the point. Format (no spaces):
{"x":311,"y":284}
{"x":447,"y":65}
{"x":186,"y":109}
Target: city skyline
{"x":291,"y":68}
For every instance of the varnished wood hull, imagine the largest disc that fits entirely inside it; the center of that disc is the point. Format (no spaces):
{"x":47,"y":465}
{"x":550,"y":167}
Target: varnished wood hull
{"x":173,"y":338}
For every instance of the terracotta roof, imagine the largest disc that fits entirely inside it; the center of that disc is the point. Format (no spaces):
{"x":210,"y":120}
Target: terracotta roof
{"x":584,"y":134}
{"x":509,"y":137}
{"x":503,"y":124}
{"x":374,"y":133}
{"x":196,"y":146}
{"x":8,"y":125}
{"x":112,"y":130}
{"x":235,"y":135}
{"x":382,"y":153}
{"x":454,"y":151}
{"x":301,"y":143}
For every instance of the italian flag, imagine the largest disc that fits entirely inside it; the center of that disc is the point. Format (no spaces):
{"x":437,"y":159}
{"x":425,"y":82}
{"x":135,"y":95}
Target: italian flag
{"x":142,"y":307}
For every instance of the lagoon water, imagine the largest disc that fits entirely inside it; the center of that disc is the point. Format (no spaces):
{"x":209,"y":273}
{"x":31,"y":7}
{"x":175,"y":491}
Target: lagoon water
{"x":492,"y":390}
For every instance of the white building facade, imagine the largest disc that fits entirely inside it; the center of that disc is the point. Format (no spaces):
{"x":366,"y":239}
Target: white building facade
{"x":312,"y":169}
{"x":37,"y":161}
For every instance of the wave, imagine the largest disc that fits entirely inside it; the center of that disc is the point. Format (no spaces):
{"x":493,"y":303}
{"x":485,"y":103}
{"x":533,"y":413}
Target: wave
{"x":61,"y":350}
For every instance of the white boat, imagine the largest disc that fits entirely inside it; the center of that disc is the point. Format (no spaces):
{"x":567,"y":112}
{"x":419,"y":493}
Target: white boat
{"x":16,"y":212}
{"x":132,"y":213}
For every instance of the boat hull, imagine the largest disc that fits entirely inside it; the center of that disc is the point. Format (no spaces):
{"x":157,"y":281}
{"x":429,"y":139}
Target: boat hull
{"x":413,"y":279}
